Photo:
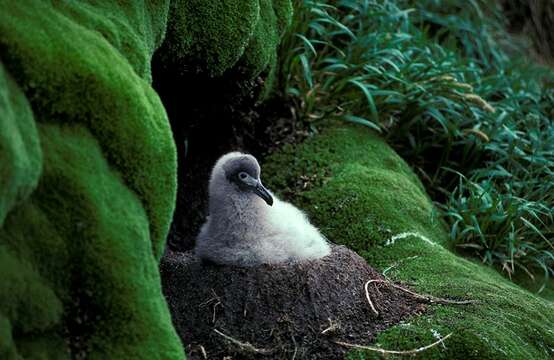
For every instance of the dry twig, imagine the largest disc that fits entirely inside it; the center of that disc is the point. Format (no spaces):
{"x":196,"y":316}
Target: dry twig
{"x":214,"y":308}
{"x":244,"y":345}
{"x":429,"y":298}
{"x":396,"y":352}
{"x":204,"y":354}
{"x":332,"y":327}
{"x":366,"y":287}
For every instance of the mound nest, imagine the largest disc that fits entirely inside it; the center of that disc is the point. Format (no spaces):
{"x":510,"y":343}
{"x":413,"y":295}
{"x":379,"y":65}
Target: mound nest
{"x":279,"y":311}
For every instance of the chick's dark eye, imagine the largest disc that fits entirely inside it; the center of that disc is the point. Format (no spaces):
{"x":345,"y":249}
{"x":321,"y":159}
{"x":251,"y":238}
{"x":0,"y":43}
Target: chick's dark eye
{"x":243,"y":175}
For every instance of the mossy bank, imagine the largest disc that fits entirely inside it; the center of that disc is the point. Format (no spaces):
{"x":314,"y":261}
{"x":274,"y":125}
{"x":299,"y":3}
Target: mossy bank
{"x":88,"y":163}
{"x":361,"y":194}
{"x":215,"y":37}
{"x":87,"y":171}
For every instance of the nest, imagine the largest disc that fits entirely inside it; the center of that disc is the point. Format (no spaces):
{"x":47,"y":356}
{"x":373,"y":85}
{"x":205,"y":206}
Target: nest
{"x":280,"y":311}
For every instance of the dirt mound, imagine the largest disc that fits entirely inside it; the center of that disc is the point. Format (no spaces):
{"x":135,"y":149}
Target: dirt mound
{"x":279,"y":311}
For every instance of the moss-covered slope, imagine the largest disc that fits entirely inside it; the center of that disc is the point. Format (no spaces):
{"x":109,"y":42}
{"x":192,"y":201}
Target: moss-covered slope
{"x":20,"y":154}
{"x":363,"y":195}
{"x":215,"y":36}
{"x":87,"y":181}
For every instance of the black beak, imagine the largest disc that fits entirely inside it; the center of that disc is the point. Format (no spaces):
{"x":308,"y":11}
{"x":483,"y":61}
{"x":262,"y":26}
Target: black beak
{"x":262,"y":192}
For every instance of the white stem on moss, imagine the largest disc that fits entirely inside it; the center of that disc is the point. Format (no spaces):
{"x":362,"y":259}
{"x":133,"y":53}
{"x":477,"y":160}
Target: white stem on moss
{"x":428,"y":298}
{"x":396,"y":352}
{"x":405,"y":235}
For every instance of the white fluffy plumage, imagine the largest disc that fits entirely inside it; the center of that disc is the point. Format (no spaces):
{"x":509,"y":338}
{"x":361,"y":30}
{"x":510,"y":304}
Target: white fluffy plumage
{"x":248,"y":225}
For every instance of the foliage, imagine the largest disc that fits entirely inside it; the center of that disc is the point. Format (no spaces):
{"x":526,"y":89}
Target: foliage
{"x":437,"y":81}
{"x":363,"y":195}
{"x":89,"y":166}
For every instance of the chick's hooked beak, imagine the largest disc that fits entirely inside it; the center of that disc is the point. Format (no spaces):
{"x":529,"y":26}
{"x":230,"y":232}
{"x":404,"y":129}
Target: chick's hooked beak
{"x":255,"y":185}
{"x":262,"y":192}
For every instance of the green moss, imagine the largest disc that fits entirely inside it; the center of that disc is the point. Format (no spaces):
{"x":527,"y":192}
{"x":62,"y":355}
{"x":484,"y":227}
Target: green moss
{"x":135,"y":28}
{"x":377,"y":192}
{"x":508,"y":322}
{"x":20,"y":156}
{"x":90,"y":178}
{"x":7,"y":348}
{"x":83,"y":216}
{"x":537,"y":284}
{"x":77,"y":77}
{"x":361,"y":194}
{"x":216,"y":36}
{"x":262,"y":44}
{"x":27,"y":304}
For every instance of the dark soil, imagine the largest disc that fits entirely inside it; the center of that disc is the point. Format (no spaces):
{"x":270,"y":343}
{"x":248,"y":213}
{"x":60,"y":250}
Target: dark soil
{"x":279,"y":311}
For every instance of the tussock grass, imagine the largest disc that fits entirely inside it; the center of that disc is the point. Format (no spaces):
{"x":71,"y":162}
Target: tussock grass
{"x":448,"y":88}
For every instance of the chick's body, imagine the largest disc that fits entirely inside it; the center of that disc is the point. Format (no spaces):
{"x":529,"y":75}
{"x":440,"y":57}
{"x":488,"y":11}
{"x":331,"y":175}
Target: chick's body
{"x":248,"y":227}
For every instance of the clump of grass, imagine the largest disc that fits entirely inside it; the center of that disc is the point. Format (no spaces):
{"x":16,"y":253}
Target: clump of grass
{"x":476,"y":28}
{"x":501,"y":227}
{"x":437,"y":82}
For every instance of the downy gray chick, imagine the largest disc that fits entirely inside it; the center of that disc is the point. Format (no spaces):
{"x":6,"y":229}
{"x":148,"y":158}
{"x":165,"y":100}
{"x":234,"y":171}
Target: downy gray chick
{"x":248,"y":225}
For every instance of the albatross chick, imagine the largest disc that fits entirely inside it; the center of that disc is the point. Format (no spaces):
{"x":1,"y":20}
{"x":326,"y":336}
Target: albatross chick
{"x":248,"y":225}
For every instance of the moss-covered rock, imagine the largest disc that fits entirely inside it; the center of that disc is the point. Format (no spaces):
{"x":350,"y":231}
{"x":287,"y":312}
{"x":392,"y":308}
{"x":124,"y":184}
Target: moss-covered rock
{"x":215,"y":36}
{"x":72,"y":74}
{"x":135,"y":28}
{"x":81,"y":126}
{"x":20,"y":155}
{"x":361,"y":194}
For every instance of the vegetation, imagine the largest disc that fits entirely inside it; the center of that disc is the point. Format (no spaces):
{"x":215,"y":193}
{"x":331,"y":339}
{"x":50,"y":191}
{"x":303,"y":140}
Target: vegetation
{"x":363,"y":195}
{"x":216,"y":36}
{"x":20,"y":153}
{"x":438,"y":81}
{"x":88,"y":164}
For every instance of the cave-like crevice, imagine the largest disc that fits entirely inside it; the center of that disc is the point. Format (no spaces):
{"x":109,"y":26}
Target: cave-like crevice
{"x":209,"y":117}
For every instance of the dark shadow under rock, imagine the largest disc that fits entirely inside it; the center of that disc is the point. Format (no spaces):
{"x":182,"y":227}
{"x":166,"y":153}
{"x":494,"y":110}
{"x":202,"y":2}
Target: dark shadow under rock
{"x":279,"y":310}
{"x":210,"y":117}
